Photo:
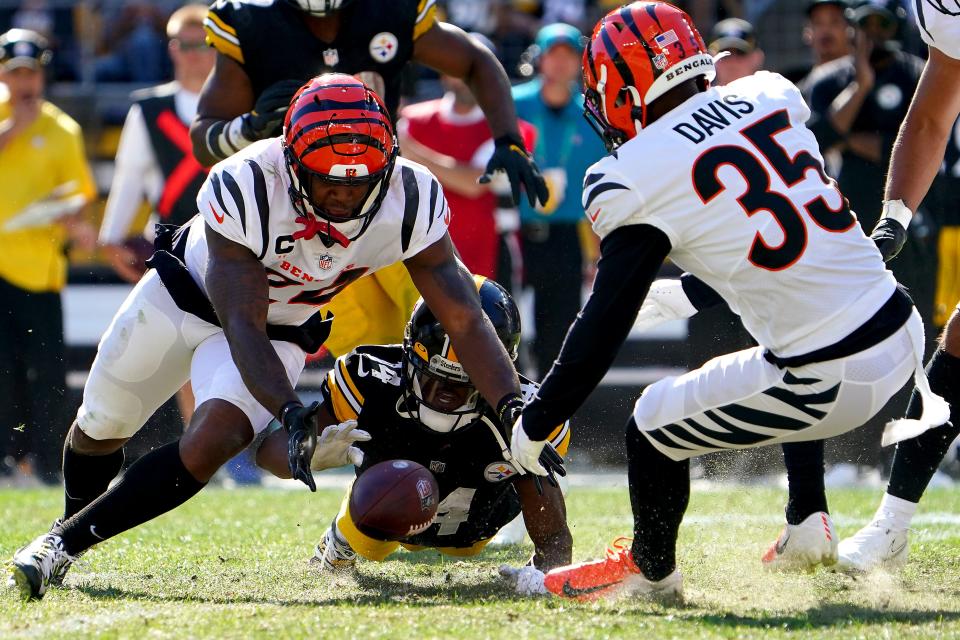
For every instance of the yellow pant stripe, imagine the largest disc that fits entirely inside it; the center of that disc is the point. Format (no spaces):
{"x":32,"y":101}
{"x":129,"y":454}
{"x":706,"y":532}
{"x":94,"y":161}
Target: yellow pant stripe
{"x":367,"y":547}
{"x":378,"y":550}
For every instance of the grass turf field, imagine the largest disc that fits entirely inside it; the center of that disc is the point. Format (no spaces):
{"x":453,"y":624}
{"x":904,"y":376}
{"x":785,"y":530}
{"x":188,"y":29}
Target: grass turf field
{"x":232,"y":564}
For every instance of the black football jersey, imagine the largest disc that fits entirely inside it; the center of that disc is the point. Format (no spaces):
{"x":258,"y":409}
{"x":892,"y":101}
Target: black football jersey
{"x":476,"y":495}
{"x":271,"y":41}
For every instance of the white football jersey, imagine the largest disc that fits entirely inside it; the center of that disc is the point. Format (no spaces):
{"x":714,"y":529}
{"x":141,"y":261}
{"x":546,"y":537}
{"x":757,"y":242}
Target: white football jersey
{"x":245,"y":198}
{"x":735,"y":180}
{"x":939,"y":23}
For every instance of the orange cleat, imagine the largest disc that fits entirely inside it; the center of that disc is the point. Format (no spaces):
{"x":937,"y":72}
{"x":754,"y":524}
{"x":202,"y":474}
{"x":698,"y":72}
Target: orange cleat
{"x":615,"y":575}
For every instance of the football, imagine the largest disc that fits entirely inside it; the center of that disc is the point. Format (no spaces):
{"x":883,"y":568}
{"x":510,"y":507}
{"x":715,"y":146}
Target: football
{"x":393,"y":500}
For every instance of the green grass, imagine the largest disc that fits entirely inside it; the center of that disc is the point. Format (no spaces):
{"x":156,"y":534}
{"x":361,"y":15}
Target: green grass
{"x":231,"y":564}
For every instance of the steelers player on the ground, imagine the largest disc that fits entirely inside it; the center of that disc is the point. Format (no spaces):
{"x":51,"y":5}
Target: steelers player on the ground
{"x":416,"y":402}
{"x":267,"y":49}
{"x":230,"y":305}
{"x":917,"y":155}
{"x":741,"y":201}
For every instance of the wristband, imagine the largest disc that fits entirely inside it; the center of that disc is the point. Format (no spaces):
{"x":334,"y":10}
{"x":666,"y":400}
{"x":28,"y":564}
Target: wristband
{"x":282,"y":415}
{"x":226,"y":137}
{"x":897,"y":210}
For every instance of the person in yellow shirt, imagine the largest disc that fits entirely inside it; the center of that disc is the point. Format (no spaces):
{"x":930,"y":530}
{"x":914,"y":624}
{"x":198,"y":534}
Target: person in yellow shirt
{"x":45,"y":181}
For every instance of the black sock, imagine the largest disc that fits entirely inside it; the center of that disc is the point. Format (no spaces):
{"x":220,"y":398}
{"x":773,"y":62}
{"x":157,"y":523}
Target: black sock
{"x":659,"y":493}
{"x":806,"y":493}
{"x":917,"y":459}
{"x":155,"y":484}
{"x":85,"y":478}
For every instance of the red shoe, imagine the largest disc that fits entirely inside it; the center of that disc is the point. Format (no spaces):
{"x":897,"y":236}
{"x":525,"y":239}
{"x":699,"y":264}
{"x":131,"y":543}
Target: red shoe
{"x":615,"y":575}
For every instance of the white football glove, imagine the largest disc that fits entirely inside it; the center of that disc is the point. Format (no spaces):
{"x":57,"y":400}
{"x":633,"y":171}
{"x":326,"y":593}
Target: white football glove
{"x":526,"y":581}
{"x":525,"y":452}
{"x":335,"y":446}
{"x":665,"y":301}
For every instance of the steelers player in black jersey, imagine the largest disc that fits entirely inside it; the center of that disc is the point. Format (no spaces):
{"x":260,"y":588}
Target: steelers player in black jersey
{"x":415,"y":402}
{"x":267,"y":49}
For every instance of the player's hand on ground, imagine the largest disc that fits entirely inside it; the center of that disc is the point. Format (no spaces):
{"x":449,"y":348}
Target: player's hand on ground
{"x":665,"y":301}
{"x":526,"y":581}
{"x":510,"y":156}
{"x":301,"y":425}
{"x":889,"y":236}
{"x":266,"y":119}
{"x":335,"y":446}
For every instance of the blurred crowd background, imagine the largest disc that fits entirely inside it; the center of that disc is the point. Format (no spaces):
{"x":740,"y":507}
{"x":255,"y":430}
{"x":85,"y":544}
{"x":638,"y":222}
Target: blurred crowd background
{"x":856,"y":61}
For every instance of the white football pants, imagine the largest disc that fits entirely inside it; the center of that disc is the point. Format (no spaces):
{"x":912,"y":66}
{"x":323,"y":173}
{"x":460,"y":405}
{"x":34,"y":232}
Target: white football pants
{"x":740,"y":400}
{"x":150,"y":349}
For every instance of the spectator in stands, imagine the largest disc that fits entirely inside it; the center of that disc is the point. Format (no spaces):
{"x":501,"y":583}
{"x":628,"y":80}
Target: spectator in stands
{"x":451,"y":137}
{"x":45,"y":181}
{"x":828,"y":32}
{"x":566,"y":146}
{"x":857,"y":104}
{"x":36,"y":16}
{"x":735,"y":38}
{"x":155,"y":158}
{"x":476,"y":16}
{"x":135,"y":45}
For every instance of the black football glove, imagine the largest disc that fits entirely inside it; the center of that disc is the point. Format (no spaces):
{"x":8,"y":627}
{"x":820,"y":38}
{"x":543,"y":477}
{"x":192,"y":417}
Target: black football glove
{"x":889,"y":236}
{"x":510,"y":156}
{"x":508,"y":411}
{"x":266,"y":119}
{"x":300,"y":423}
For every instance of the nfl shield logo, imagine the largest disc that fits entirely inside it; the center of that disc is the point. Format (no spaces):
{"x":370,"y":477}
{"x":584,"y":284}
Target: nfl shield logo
{"x":331,"y":57}
{"x":325,"y":261}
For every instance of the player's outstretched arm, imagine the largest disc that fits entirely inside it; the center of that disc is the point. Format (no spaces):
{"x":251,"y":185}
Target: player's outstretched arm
{"x":449,"y":50}
{"x":918,"y":150}
{"x":451,"y":295}
{"x":237,"y":286}
{"x":271,"y":455}
{"x":630,"y":257}
{"x":545,"y":516}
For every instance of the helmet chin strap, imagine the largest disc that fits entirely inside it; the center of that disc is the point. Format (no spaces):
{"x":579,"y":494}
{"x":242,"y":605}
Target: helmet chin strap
{"x":635,"y":95}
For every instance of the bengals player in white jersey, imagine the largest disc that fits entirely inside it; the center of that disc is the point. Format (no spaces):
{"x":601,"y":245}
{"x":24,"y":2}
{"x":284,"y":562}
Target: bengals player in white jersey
{"x":729,"y":184}
{"x":231,"y":305}
{"x":917,"y":155}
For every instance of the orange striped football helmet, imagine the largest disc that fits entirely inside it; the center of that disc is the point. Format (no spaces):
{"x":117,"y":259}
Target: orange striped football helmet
{"x":636,"y":54}
{"x":338,"y":131}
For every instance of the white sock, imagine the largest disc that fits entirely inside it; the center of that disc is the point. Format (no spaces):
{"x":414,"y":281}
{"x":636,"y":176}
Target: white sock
{"x":895,"y":511}
{"x":341,"y":541}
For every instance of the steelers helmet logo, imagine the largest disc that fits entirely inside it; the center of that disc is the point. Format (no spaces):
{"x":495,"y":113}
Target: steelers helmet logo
{"x":384,"y":47}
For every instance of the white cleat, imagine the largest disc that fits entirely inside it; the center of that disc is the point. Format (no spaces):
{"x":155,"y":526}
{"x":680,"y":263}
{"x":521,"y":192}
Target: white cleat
{"x":36,"y":565}
{"x":514,"y":532}
{"x":877,"y":545}
{"x":801,"y":547}
{"x":332,"y":554}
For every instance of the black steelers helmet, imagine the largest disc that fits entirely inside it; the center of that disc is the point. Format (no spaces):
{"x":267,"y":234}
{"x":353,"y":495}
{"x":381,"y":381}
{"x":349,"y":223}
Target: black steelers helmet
{"x":436,"y":386}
